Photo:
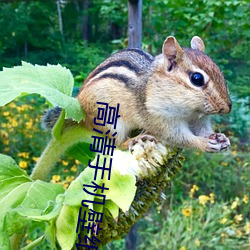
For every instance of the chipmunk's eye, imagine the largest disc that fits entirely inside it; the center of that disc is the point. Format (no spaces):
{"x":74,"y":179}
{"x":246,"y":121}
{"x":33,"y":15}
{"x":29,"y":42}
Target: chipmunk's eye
{"x":197,"y":79}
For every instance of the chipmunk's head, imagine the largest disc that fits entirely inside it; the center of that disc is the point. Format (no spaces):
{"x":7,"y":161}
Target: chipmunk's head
{"x":198,"y":77}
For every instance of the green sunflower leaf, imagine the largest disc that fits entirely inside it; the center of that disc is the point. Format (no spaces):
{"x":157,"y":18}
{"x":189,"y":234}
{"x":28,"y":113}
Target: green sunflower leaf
{"x":53,"y":82}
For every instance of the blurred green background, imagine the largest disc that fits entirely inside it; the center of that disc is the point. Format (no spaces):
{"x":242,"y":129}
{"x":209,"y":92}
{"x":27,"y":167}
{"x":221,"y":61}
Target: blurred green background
{"x":207,"y":206}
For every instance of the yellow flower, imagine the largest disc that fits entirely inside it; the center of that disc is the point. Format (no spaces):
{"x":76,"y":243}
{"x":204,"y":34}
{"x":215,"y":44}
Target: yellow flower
{"x":65,"y":185}
{"x":197,"y":242}
{"x":24,"y":154}
{"x":70,"y":178}
{"x":235,"y":203}
{"x":223,"y":220}
{"x":238,"y":218}
{"x":234,"y":152}
{"x":247,"y":227}
{"x":187,"y":211}
{"x":23,"y":164}
{"x":35,"y":159}
{"x":23,"y":107}
{"x":55,"y":178}
{"x":12,"y":105}
{"x":245,"y":199}
{"x":238,"y":233}
{"x":77,"y":162}
{"x":183,"y":248}
{"x":29,"y":135}
{"x":19,"y":108}
{"x":73,"y":168}
{"x":211,"y":195}
{"x":65,"y":163}
{"x":6,"y":141}
{"x":6,"y":149}
{"x":6,"y":113}
{"x":14,"y":123}
{"x":223,"y":235}
{"x":193,"y":190}
{"x":203,"y":199}
{"x":224,"y":164}
{"x":4,"y":134}
{"x":238,"y":159}
{"x":29,"y":124}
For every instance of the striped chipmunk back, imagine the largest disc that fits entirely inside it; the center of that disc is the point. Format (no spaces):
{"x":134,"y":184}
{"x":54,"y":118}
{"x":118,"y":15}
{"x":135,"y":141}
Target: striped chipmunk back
{"x":121,"y":66}
{"x":121,"y":78}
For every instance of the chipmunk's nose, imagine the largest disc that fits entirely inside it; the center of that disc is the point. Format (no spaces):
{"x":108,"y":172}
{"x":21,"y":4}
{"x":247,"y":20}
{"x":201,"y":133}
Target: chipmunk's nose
{"x":227,"y":108}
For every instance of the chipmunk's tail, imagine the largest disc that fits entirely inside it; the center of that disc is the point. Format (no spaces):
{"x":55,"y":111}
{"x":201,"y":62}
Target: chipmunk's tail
{"x":50,"y":117}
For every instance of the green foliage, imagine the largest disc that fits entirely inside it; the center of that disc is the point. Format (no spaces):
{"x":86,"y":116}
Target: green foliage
{"x":232,"y":166}
{"x":29,"y":32}
{"x":19,"y":198}
{"x":81,"y":58}
{"x":66,"y":226}
{"x":52,"y":82}
{"x":198,"y":224}
{"x":81,"y":152}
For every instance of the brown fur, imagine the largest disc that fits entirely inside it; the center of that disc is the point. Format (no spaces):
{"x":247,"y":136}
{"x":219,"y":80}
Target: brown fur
{"x":156,"y":95}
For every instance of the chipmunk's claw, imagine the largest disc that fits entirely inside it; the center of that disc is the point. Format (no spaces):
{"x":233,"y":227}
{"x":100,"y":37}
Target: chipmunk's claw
{"x":218,"y":142}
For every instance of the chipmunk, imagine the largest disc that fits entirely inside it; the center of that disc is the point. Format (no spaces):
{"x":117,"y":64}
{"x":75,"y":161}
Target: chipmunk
{"x":170,"y":97}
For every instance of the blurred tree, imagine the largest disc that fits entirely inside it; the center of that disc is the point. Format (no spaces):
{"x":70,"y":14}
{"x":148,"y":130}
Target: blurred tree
{"x":60,"y":21}
{"x":86,"y":21}
{"x":134,"y":23}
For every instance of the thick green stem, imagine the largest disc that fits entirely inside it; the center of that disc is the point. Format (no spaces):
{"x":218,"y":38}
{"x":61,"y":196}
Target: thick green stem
{"x":50,"y":156}
{"x":57,"y":147}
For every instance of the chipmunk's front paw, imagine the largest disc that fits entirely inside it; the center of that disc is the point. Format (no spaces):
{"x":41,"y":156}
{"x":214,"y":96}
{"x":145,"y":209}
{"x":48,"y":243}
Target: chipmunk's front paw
{"x":141,"y":139}
{"x":217,"y":142}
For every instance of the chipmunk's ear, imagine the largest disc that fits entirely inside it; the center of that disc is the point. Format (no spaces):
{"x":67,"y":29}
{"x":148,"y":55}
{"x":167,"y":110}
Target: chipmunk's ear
{"x":197,"y":43}
{"x":171,"y":49}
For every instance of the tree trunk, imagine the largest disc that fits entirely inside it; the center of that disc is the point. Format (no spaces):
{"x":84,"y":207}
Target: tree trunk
{"x":59,"y":16}
{"x":85,"y":23}
{"x":131,"y":238}
{"x":134,"y":41}
{"x":135,"y":23}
